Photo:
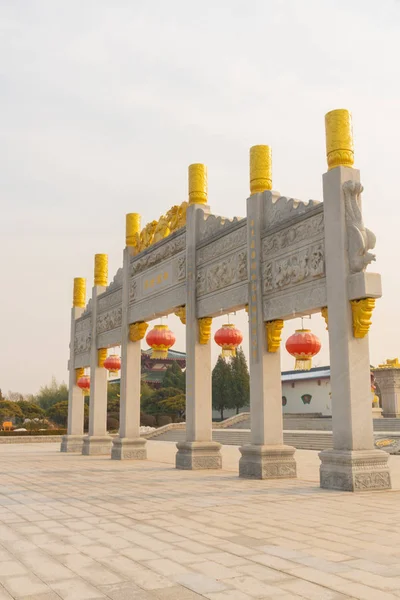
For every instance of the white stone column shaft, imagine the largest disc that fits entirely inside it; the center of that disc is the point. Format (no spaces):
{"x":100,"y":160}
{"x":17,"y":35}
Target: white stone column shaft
{"x":97,"y":442}
{"x":266,"y":456}
{"x":129,"y":445}
{"x":353,"y":464}
{"x":198,"y":451}
{"x":73,"y":441}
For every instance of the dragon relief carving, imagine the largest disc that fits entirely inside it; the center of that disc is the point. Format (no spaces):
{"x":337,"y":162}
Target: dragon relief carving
{"x":109,"y":299}
{"x":227,"y":272}
{"x":307,"y":263}
{"x":181,"y":267}
{"x":359,"y":239}
{"x":165,"y":251}
{"x":222,"y":245}
{"x":305,"y":230}
{"x":109,"y":320}
{"x":132,"y":290}
{"x":83,"y":336}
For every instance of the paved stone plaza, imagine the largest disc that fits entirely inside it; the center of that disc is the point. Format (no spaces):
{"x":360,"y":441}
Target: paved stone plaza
{"x":85,"y":527}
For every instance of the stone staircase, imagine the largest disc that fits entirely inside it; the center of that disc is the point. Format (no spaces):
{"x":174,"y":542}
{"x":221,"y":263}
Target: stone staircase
{"x":310,"y":440}
{"x":302,"y":439}
{"x":304,"y":423}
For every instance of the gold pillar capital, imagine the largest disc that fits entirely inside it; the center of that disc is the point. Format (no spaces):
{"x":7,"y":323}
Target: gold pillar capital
{"x":137,"y":331}
{"x":362,"y":314}
{"x":204,"y":329}
{"x":198,"y":187}
{"x":101,"y":269}
{"x":101,"y":356}
{"x":132,"y":230}
{"x":260,"y":169}
{"x":339,"y":139}
{"x":79,"y":373}
{"x":324,"y":313}
{"x":274,"y":332}
{"x":181,"y":313}
{"x":79,"y":297}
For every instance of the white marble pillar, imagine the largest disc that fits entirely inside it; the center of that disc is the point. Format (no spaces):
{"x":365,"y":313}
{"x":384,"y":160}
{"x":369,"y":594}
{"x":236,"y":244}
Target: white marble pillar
{"x":198,"y":451}
{"x":266,"y":457}
{"x":73,"y":441}
{"x":97,"y":442}
{"x":353,"y":464}
{"x":129,"y":444}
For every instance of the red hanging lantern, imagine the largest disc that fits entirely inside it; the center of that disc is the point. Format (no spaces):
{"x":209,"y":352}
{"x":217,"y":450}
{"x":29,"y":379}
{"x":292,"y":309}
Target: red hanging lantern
{"x":303,"y":345}
{"x":229,"y":338}
{"x":84,"y":383}
{"x":112,"y":364}
{"x":160,"y":339}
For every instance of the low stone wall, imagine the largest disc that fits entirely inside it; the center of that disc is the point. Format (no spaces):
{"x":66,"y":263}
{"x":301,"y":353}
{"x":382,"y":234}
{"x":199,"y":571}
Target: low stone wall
{"x":29,"y":439}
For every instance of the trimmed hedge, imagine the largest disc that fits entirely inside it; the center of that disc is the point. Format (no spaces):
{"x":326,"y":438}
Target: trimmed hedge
{"x":33,"y":432}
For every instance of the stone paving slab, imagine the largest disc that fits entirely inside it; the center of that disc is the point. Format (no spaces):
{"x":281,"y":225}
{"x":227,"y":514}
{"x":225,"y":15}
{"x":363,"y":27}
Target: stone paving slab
{"x":87,"y":528}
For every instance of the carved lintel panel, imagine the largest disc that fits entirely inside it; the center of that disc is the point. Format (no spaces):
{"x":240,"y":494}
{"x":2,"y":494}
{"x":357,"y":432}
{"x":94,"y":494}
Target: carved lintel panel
{"x":216,"y":276}
{"x":181,"y":268}
{"x":154,"y":256}
{"x":359,"y":239}
{"x":83,"y":335}
{"x":204,"y":329}
{"x":109,"y":320}
{"x":274,"y":331}
{"x":362,"y":313}
{"x":304,"y":299}
{"x":300,"y":266}
{"x":278,"y":242}
{"x":223,"y":245}
{"x":106,"y":300}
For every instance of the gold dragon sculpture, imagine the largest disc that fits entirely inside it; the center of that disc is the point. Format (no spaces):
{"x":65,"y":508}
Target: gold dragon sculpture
{"x":156,"y":231}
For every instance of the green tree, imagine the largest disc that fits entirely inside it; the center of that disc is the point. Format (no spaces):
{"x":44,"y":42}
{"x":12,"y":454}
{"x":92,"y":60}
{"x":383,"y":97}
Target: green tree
{"x":51,"y":394}
{"x":221,"y":386}
{"x":174,"y":405}
{"x":240,"y":386}
{"x":8,"y":410}
{"x":30,"y":410}
{"x":58,"y":413}
{"x":145,"y":392}
{"x":113,"y":397}
{"x":174,"y":377}
{"x":153,"y":405}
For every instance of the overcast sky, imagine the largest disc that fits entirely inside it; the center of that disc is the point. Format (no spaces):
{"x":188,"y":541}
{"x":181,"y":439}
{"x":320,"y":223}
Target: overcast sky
{"x":104,"y":104}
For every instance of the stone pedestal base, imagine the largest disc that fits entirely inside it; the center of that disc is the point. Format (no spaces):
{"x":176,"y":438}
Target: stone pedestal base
{"x":354,"y":470}
{"x":129,"y":448}
{"x":377,"y":413}
{"x":93,"y":444}
{"x":198,"y":455}
{"x":267,"y":462}
{"x":71,"y":443}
